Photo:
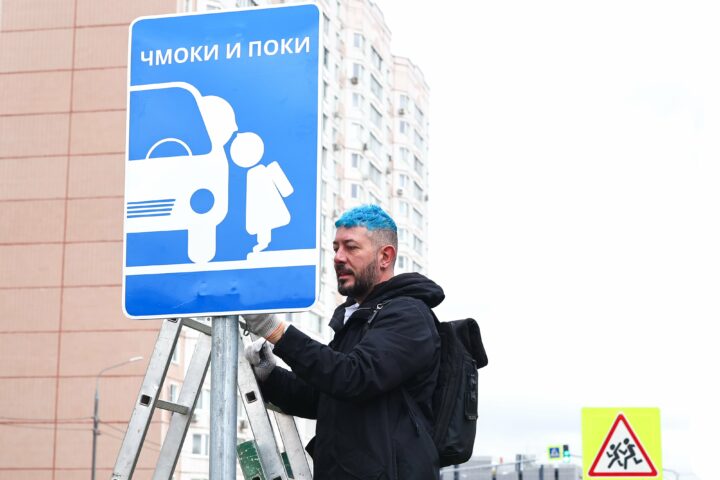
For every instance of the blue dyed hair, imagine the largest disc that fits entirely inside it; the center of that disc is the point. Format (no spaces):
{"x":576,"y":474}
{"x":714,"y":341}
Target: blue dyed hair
{"x":371,"y":217}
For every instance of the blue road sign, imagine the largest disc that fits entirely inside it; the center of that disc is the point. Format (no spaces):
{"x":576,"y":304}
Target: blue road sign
{"x":221,"y":174}
{"x":554,"y":452}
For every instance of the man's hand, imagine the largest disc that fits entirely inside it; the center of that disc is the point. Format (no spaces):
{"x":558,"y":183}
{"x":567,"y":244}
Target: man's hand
{"x":265,"y":325}
{"x":259,"y":354}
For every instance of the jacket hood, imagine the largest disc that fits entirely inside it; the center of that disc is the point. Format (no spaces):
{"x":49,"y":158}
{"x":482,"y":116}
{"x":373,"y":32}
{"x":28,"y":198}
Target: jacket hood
{"x":412,"y":285}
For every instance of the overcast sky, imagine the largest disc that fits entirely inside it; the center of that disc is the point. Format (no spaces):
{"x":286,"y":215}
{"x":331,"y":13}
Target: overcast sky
{"x":575,"y":209}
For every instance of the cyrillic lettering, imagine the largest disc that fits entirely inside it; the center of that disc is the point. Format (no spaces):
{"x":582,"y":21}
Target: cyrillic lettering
{"x":185,"y":54}
{"x":286,"y":46}
{"x":211,"y":53}
{"x":195,"y":54}
{"x":305,"y":43}
{"x":274,"y":43}
{"x":257,"y":44}
{"x":235,"y":50}
{"x":147,"y":57}
{"x":163,"y":60}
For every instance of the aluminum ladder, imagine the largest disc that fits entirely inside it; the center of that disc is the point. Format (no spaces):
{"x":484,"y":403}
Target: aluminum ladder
{"x":271,"y":465}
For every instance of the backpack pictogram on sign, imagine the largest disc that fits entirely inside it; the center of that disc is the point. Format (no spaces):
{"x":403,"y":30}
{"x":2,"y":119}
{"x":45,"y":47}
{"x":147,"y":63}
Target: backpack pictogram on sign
{"x":622,"y":454}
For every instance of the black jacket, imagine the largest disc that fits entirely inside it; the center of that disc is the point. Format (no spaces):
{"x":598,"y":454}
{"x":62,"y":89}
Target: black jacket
{"x":371,"y":388}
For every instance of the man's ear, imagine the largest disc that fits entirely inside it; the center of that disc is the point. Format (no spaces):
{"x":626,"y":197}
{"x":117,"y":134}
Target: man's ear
{"x":387,"y":257}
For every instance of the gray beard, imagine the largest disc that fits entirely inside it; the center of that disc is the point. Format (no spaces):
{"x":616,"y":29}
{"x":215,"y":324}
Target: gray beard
{"x":365,"y":280}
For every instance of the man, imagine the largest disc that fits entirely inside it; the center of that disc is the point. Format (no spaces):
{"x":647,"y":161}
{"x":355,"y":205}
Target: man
{"x":371,"y":388}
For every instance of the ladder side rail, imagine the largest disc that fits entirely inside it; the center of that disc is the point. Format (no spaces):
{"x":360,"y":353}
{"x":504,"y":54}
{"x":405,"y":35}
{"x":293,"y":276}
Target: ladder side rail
{"x":293,"y":446}
{"x":188,"y":396}
{"x":146,"y":400}
{"x":270,"y":459}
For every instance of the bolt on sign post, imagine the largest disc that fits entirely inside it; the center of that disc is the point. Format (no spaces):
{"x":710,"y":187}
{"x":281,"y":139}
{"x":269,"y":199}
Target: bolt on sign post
{"x":222,"y":172}
{"x":621,"y":443}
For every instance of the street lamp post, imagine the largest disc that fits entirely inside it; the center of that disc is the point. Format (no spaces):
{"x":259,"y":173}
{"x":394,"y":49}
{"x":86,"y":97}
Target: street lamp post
{"x":96,"y":420}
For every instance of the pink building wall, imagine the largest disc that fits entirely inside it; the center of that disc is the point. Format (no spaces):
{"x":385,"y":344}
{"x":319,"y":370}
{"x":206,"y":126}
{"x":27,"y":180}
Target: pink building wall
{"x":62,"y":137}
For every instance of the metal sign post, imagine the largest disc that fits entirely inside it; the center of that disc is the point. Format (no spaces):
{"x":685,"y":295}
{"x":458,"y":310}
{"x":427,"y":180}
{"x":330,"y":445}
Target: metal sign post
{"x":223,"y":397}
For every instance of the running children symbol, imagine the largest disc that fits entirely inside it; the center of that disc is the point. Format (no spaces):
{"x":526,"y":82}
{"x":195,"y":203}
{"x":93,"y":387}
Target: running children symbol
{"x":622,"y":454}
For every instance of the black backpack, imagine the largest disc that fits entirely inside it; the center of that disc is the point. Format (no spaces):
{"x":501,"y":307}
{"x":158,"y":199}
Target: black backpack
{"x":455,"y":399}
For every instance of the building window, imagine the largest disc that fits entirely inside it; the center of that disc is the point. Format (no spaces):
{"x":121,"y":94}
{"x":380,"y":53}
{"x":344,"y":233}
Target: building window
{"x":356,"y":160}
{"x":375,"y":174}
{"x":355,"y":191}
{"x":375,"y":117}
{"x":199,"y":444}
{"x":403,"y":180}
{"x":417,"y":244}
{"x":376,"y":87}
{"x":326,"y":24}
{"x":213,"y":5}
{"x":402,"y":234}
{"x":418,"y":165}
{"x":404,"y":127}
{"x":404,"y":154}
{"x":417,"y":192}
{"x":357,"y":72}
{"x":404,"y":102}
{"x":176,"y":354}
{"x":403,"y":209}
{"x":417,"y":267}
{"x":376,"y":59}
{"x":417,"y":217}
{"x":202,"y":400}
{"x":357,"y":131}
{"x":173,"y":392}
{"x":358,"y":101}
{"x":374,"y":145}
{"x":326,"y":57}
{"x":419,"y":115}
{"x":419,"y":140}
{"x":402,"y":262}
{"x":358,"y":41}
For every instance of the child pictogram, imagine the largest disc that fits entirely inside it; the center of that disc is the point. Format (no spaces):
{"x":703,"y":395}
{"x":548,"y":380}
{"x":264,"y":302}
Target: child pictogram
{"x":265,"y":208}
{"x":614,"y":454}
{"x":628,"y":453}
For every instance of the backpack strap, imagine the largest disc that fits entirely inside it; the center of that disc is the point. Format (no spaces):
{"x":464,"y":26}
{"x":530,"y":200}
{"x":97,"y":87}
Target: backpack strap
{"x":376,"y":309}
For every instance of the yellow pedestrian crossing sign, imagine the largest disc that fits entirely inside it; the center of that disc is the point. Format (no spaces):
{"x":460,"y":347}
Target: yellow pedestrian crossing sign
{"x":621,"y":443}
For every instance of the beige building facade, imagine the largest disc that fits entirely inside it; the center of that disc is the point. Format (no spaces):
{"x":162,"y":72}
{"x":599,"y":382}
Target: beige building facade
{"x":63,"y":76}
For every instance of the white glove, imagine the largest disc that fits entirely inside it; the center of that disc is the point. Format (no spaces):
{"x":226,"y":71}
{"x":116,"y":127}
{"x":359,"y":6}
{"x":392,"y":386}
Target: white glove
{"x":259,"y":354}
{"x":262,"y":324}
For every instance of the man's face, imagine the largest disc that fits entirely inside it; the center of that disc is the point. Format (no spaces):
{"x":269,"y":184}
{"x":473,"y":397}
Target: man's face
{"x":356,"y":263}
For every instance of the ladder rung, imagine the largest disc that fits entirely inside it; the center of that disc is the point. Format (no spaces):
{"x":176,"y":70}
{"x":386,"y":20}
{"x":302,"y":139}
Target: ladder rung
{"x":173,"y":407}
{"x":199,"y":326}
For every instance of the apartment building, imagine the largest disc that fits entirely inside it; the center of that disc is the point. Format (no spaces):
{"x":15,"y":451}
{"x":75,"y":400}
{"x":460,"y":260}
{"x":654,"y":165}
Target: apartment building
{"x":63,"y":76}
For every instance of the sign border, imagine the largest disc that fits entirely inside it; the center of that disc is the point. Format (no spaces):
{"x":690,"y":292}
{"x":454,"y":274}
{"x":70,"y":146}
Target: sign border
{"x":621,"y":417}
{"x":318,"y":161}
